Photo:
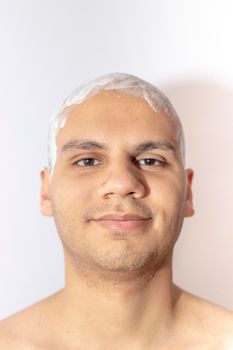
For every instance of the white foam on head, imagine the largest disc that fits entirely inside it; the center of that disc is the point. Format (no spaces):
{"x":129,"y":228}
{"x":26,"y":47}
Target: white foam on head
{"x":114,"y":81}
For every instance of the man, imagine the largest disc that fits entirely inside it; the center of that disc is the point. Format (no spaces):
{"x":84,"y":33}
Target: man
{"x":118,"y":191}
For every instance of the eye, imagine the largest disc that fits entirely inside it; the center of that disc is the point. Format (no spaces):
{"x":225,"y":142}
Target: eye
{"x":151,"y":162}
{"x":87,"y":162}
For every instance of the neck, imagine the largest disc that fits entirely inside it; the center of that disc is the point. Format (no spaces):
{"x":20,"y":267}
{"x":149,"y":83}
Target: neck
{"x":131,"y":309}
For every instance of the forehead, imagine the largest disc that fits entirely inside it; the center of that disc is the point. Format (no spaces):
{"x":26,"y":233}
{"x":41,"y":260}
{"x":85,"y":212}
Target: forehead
{"x":113,"y":117}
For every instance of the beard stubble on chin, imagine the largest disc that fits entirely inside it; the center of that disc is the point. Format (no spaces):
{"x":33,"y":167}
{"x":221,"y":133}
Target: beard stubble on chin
{"x":119,"y":264}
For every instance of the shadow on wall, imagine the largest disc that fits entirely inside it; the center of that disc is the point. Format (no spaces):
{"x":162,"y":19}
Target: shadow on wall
{"x":203,"y":256}
{"x":205,"y":108}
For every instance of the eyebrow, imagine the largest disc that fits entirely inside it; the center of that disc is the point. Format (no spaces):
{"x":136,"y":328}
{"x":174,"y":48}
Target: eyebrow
{"x":150,"y":145}
{"x":77,"y":144}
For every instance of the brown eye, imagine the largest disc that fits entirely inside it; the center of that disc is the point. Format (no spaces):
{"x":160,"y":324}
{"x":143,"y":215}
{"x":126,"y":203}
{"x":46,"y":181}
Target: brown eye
{"x":87,"y":162}
{"x":151,"y":162}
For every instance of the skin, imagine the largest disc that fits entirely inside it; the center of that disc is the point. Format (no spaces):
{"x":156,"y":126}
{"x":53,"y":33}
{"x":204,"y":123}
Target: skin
{"x":119,"y":292}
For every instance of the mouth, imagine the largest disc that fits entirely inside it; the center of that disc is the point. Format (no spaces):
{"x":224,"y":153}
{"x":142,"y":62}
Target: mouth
{"x":119,"y":222}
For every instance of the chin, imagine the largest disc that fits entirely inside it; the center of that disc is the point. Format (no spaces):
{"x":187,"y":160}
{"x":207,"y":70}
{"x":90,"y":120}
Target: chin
{"x":117,"y":261}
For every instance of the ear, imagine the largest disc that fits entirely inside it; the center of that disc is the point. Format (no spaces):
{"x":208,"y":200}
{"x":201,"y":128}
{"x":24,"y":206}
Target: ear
{"x":45,"y":202}
{"x":188,"y":208}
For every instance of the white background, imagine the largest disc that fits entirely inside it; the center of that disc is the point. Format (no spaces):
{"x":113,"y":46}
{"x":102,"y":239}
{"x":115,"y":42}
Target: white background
{"x":48,"y":48}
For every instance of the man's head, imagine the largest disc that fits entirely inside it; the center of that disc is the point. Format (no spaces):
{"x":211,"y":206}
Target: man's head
{"x":119,"y":190}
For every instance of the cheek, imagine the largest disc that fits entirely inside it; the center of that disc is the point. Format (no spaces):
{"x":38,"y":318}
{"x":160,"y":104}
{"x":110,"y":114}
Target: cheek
{"x":72,"y":197}
{"x":168,"y":203}
{"x":168,"y":195}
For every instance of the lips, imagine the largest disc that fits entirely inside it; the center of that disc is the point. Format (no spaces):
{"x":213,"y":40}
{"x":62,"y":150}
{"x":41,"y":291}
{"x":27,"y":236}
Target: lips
{"x":122,"y":222}
{"x":124,"y":217}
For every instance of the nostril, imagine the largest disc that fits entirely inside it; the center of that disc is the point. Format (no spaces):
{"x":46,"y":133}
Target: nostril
{"x":138,"y":190}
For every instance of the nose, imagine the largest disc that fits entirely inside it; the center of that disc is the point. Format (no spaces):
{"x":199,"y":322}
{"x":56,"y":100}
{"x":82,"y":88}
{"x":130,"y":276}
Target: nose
{"x":123,"y":180}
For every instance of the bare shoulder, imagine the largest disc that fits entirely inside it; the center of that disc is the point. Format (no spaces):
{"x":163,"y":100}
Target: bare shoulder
{"x":21,"y":330}
{"x":212,"y":322}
